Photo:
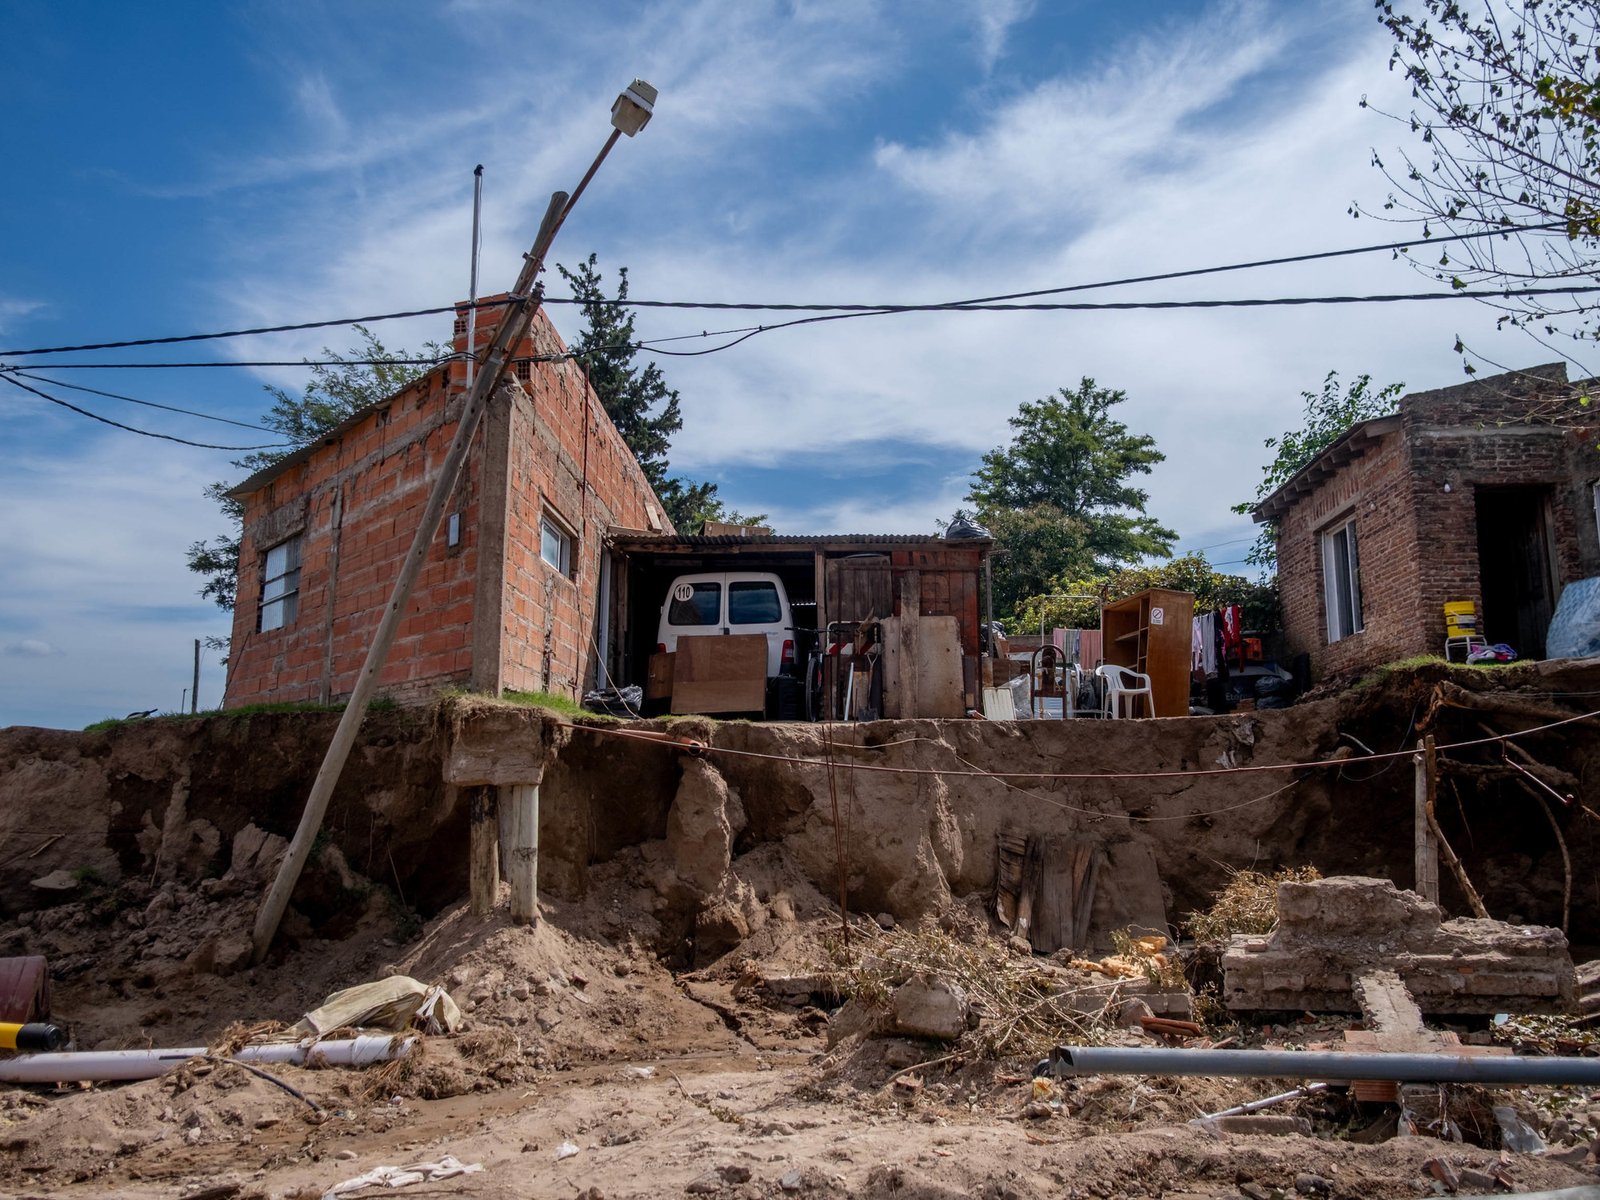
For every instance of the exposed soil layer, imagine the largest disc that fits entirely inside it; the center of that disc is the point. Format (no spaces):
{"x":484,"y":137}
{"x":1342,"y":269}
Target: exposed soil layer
{"x":669,"y":883}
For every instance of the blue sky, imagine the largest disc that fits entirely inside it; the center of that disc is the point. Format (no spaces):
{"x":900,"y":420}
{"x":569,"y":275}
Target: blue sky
{"x":183,"y":167}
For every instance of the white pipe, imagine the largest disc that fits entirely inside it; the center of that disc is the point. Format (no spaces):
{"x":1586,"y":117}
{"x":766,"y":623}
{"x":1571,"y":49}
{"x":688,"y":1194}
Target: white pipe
{"x":111,"y":1066}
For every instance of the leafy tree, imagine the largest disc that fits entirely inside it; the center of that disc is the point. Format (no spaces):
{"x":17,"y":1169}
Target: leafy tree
{"x":690,"y":505}
{"x":1507,"y":108}
{"x":1328,"y":414}
{"x":638,"y":401}
{"x":1058,"y":499}
{"x":336,"y":390}
{"x":1190,"y":573}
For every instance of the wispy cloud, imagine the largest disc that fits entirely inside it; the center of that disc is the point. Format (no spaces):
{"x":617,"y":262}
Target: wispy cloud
{"x":995,"y":20}
{"x":31,"y":648}
{"x":14,"y":309}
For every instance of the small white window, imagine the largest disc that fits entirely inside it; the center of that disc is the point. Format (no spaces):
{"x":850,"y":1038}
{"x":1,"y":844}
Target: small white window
{"x":1341,"y":581}
{"x":555,"y":544}
{"x":280,"y":587}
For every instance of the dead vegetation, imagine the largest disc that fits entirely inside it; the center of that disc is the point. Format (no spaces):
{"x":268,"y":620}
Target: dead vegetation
{"x":1248,"y":904}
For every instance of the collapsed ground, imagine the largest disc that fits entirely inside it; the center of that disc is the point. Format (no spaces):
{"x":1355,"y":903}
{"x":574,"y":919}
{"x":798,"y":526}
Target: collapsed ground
{"x":645,"y":1020}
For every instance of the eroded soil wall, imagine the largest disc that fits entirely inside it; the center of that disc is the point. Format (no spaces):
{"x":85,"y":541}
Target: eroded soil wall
{"x":920,"y":804}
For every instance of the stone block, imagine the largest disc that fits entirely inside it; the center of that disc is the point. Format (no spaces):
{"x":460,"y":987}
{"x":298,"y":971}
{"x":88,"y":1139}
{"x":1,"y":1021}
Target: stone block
{"x":933,"y":1008}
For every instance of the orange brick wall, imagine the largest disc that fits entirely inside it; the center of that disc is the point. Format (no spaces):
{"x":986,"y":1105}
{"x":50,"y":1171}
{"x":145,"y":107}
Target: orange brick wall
{"x":1375,"y":491}
{"x":356,"y":501}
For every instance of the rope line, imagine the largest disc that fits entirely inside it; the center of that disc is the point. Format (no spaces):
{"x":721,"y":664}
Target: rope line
{"x":729,"y":752}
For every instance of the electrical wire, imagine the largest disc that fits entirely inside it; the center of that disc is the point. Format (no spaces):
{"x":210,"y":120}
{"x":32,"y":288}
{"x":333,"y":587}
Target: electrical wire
{"x":166,"y":437}
{"x":982,"y":303}
{"x":188,"y":412}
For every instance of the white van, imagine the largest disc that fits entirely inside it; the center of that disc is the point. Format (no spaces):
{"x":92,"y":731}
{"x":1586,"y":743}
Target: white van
{"x":724,"y":603}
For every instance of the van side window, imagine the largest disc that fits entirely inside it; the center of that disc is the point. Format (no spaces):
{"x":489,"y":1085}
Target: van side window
{"x":753,"y":603}
{"x":702,"y":608}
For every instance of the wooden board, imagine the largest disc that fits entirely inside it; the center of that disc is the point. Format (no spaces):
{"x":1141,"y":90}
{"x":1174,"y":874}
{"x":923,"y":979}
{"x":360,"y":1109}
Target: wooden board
{"x":941,"y":676}
{"x":859,"y":587}
{"x":720,"y":674}
{"x":659,"y":685}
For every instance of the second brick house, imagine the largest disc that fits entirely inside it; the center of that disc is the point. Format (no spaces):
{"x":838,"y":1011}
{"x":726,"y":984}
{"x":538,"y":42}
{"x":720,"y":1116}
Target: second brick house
{"x":1483,"y":492}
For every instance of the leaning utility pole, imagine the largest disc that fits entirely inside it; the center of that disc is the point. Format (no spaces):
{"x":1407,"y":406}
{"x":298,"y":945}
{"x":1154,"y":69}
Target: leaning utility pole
{"x":629,"y":114}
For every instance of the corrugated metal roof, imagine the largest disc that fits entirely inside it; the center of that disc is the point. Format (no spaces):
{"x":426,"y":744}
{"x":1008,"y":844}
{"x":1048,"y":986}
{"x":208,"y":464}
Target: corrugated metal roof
{"x":722,"y":541}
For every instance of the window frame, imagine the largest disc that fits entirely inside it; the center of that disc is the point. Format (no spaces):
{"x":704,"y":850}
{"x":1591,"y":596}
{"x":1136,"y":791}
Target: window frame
{"x":1341,"y":581}
{"x":567,"y":541}
{"x":286,"y":600}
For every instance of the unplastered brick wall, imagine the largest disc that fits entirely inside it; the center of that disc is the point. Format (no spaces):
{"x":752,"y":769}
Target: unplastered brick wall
{"x":567,"y":462}
{"x":362,"y":491}
{"x":1520,"y":429}
{"x":1363,"y":491}
{"x":1414,"y":499}
{"x":486,"y":611}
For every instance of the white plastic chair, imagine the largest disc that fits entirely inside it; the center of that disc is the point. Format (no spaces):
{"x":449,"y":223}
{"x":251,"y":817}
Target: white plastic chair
{"x":1120,"y":682}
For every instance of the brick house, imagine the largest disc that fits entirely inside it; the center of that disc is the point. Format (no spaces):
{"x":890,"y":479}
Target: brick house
{"x":1484,"y":492}
{"x":510,"y":595}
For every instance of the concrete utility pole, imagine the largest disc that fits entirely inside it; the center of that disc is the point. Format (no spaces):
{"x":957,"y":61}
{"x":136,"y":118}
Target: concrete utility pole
{"x":629,"y":114}
{"x":194,"y":692}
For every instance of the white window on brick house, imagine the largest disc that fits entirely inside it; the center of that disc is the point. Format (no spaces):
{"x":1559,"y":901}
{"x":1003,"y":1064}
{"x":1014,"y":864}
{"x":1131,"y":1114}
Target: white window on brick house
{"x":555,"y":544}
{"x":1341,"y":581}
{"x":280,"y":587}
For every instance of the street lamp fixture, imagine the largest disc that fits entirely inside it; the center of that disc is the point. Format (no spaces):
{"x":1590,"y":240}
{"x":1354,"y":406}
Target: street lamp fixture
{"x":633,"y":108}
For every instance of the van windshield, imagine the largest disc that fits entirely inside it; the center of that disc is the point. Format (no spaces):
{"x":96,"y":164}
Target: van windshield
{"x":703,"y":607}
{"x":753,"y":603}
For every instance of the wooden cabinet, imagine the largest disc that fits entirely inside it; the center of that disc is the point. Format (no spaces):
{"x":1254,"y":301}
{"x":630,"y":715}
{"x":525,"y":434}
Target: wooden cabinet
{"x":1152,"y":633}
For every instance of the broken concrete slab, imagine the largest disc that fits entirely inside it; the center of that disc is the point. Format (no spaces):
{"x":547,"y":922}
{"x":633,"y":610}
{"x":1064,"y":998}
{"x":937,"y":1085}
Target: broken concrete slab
{"x":933,"y":1008}
{"x":56,"y":882}
{"x":1330,"y":931}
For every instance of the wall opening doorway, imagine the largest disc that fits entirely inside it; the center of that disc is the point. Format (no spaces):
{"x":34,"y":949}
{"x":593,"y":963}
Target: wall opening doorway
{"x":1516,"y":566}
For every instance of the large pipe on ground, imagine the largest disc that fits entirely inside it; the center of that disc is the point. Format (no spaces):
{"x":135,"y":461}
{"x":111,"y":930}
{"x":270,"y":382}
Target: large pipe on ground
{"x":1313,"y":1064}
{"x":114,"y":1066}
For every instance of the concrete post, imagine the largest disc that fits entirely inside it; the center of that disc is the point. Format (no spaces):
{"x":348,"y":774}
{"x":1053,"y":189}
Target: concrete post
{"x":523,"y":858}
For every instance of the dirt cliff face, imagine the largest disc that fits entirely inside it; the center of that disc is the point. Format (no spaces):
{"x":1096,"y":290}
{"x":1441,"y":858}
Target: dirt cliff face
{"x":907,"y":813}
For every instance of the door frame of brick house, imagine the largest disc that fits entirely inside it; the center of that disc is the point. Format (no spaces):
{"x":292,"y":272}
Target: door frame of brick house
{"x":1516,"y":564}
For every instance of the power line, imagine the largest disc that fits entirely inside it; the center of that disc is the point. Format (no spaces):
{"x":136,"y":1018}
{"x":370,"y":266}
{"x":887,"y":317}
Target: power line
{"x":981,"y":302}
{"x":188,"y":412}
{"x":748,"y":332}
{"x":11,"y":378}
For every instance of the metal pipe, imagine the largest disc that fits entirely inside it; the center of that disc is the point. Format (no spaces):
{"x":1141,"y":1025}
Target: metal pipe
{"x":1239,"y":1110}
{"x":111,"y":1066}
{"x":1313,"y":1064}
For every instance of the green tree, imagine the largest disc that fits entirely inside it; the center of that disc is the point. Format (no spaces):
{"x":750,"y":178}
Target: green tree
{"x":338,"y":388}
{"x":637,"y":399}
{"x":1328,"y":414}
{"x":1058,"y":498}
{"x":1073,"y":602}
{"x":1507,"y":110}
{"x":690,"y":505}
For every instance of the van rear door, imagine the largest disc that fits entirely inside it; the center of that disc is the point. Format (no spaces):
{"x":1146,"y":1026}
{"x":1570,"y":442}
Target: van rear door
{"x":756,"y":605}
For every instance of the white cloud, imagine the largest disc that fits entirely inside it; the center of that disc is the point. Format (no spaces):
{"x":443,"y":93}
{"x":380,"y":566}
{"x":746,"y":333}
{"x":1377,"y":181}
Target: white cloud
{"x":995,"y":20}
{"x":13,"y":309}
{"x":31,"y":648}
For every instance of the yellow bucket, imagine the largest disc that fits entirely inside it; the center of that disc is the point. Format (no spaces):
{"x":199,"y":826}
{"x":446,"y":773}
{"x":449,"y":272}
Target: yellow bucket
{"x":1460,"y":618}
